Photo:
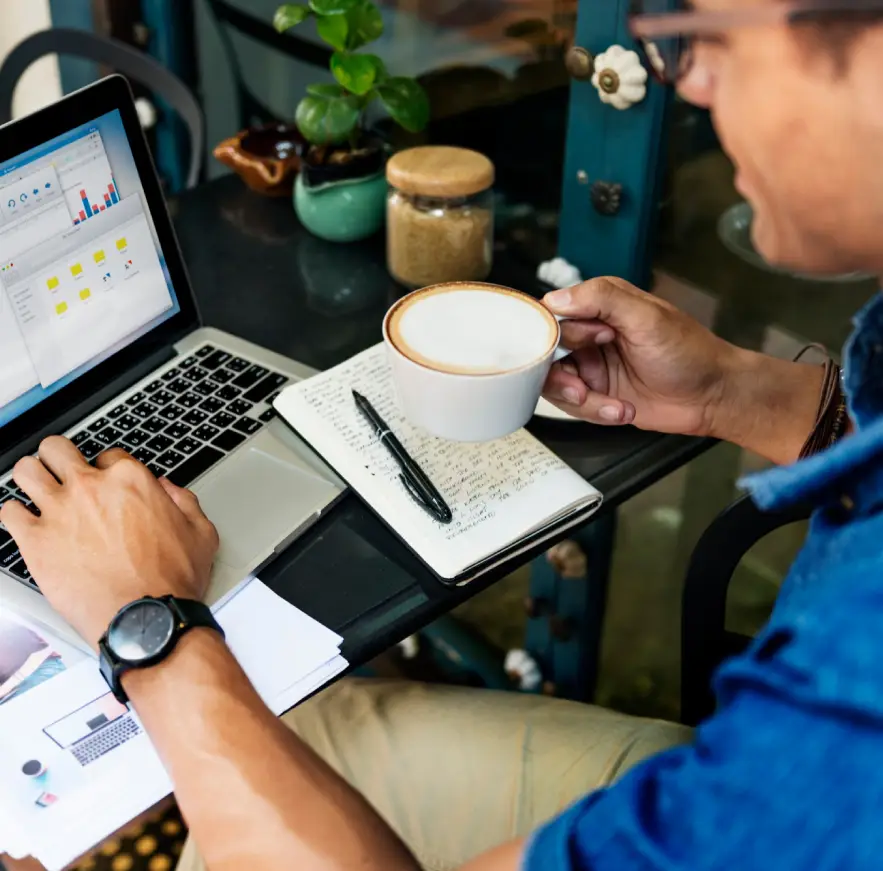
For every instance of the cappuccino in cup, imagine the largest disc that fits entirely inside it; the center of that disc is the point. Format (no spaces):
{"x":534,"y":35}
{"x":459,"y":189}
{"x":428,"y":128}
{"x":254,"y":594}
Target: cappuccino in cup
{"x":469,"y":359}
{"x":472,"y":329}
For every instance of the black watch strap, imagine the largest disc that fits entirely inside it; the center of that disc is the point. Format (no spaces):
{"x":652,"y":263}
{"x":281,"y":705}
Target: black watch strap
{"x":191,"y":614}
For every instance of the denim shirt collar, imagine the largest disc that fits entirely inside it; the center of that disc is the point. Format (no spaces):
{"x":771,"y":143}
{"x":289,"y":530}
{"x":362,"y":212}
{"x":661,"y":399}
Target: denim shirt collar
{"x":854,"y":466}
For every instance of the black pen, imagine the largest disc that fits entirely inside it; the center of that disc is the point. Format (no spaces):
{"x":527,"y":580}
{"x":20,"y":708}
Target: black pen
{"x":413,"y":477}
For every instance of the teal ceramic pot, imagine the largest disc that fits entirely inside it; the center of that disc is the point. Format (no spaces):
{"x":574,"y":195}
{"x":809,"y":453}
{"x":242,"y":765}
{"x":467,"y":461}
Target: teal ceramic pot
{"x":342,"y":211}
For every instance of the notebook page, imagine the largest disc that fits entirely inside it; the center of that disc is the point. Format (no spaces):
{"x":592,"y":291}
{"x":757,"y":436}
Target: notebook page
{"x":498,"y":491}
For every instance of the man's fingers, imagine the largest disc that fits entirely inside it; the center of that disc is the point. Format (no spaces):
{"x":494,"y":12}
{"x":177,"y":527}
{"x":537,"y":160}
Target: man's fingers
{"x":591,"y":367}
{"x":112,"y":457}
{"x":573,"y":394}
{"x":565,"y":385}
{"x":610,"y":300}
{"x":188,"y":503}
{"x":579,"y":333}
{"x":18,"y":520}
{"x":186,"y":500}
{"x":586,"y":365}
{"x":35,"y":479}
{"x":597,"y":408}
{"x":59,"y":455}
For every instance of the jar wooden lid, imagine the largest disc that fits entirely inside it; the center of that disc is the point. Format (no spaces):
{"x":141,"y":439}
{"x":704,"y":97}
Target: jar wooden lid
{"x":440,"y":171}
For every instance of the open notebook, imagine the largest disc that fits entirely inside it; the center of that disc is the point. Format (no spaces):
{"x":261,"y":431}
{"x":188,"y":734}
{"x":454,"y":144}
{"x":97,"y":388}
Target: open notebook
{"x":506,"y":496}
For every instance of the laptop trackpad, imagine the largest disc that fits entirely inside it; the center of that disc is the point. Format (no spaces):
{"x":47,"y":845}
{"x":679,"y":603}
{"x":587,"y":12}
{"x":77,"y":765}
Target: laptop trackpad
{"x":256,"y":500}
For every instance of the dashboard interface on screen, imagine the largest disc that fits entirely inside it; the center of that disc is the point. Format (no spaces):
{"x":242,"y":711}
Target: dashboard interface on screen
{"x":82,"y":273}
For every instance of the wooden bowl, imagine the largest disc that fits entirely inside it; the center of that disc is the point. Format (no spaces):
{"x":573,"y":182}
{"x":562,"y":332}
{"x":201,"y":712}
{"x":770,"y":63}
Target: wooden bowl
{"x":266,"y":158}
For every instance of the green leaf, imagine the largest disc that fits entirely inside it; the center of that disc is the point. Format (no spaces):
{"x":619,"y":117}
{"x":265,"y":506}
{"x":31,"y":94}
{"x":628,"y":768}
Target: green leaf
{"x":356,"y":72}
{"x":332,"y":7}
{"x":326,"y":91}
{"x":381,"y":75}
{"x":290,"y":15}
{"x":327,"y":120}
{"x":365,"y":24}
{"x":334,"y":29}
{"x":406,"y":102}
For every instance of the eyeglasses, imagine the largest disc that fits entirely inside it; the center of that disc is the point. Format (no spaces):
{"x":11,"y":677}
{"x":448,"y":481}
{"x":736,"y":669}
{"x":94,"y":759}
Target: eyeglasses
{"x":666,"y":36}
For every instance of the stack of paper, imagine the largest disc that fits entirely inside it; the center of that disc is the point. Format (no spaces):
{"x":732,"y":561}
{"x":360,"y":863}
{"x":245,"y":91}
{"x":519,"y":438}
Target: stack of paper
{"x":76,"y":766}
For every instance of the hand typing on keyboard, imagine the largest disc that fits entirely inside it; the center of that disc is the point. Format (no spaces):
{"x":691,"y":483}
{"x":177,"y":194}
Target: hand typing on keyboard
{"x":108,"y":535}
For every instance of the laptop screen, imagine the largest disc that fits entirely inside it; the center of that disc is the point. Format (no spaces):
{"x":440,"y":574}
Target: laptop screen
{"x":82,"y":273}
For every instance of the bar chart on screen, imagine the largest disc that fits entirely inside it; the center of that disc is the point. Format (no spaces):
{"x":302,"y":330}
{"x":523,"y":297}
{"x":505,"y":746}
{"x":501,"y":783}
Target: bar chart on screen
{"x":91,"y":205}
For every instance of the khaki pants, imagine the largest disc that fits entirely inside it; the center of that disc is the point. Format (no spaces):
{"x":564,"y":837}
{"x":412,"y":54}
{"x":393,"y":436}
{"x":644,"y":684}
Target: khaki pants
{"x":457,"y":771}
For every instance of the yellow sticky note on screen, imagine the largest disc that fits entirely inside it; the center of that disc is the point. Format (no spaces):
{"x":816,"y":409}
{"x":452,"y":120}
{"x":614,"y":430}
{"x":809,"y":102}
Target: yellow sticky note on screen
{"x":121,"y":243}
{"x":61,"y":308}
{"x":85,"y":293}
{"x":52,"y":283}
{"x":76,"y":269}
{"x":98,"y":256}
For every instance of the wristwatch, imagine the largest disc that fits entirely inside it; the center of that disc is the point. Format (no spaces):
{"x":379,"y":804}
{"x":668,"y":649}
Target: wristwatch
{"x":145,"y":632}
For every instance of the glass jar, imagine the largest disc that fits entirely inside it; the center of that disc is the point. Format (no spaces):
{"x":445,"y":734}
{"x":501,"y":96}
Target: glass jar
{"x":440,"y":216}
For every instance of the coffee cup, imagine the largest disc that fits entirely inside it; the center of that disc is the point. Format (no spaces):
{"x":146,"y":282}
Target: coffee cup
{"x":469,"y":359}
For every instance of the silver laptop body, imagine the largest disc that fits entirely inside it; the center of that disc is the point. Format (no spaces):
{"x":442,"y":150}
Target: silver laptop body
{"x":201,"y":415}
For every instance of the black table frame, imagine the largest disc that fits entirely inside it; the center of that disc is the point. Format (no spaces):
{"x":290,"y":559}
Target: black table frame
{"x":258,"y":274}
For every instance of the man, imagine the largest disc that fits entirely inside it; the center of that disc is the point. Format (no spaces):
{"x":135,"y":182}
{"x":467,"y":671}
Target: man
{"x":786,"y":774}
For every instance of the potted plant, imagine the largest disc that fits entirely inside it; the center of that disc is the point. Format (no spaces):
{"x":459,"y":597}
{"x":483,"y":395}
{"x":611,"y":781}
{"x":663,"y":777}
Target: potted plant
{"x":340,"y":192}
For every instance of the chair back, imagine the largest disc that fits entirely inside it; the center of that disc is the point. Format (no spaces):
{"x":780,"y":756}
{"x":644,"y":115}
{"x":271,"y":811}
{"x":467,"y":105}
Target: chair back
{"x":705,"y":641}
{"x":120,"y":57}
{"x":252,"y":109}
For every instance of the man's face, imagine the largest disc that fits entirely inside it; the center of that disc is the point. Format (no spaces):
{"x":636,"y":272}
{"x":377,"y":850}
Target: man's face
{"x":806,"y":139}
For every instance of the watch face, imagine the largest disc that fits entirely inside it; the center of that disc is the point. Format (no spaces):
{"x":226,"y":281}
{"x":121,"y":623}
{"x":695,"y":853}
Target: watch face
{"x":141,"y":630}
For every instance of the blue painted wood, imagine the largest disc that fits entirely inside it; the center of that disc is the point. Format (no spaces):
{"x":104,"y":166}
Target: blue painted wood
{"x":624,"y":146}
{"x":571,"y":663}
{"x":75,"y":72}
{"x":538,"y":641}
{"x":171,"y":43}
{"x":465,"y":652}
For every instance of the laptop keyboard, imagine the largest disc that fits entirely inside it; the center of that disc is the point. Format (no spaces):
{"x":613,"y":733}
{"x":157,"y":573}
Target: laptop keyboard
{"x":179,"y":425}
{"x":108,"y":738}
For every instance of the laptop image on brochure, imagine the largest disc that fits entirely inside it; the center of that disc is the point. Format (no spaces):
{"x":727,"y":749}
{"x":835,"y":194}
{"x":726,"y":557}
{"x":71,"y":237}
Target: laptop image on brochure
{"x":94,"y":730}
{"x":101,"y":341}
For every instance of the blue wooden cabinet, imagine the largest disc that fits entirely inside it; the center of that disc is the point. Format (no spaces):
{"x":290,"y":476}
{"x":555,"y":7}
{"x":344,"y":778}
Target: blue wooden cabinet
{"x":624,"y":147}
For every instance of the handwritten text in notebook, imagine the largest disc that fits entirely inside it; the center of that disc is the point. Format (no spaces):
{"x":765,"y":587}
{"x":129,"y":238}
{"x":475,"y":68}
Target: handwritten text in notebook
{"x":501,"y":493}
{"x":476,"y":479}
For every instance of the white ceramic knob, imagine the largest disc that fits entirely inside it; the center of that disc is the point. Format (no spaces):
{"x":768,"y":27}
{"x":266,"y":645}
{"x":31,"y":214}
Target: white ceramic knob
{"x":409,"y":647}
{"x":521,"y":666}
{"x":146,"y":112}
{"x":559,"y":273}
{"x":620,"y":77}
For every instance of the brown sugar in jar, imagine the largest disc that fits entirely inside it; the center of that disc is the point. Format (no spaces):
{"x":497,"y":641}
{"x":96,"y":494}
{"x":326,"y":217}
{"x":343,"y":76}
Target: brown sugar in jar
{"x":440,"y":219}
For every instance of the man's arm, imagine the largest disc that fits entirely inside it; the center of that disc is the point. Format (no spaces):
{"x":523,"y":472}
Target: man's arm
{"x":769,"y":406}
{"x":638,"y":360}
{"x":253,"y":794}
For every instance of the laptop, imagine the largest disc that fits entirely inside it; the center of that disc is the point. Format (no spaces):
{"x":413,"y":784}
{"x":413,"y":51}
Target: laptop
{"x":94,"y":730}
{"x":101,"y":341}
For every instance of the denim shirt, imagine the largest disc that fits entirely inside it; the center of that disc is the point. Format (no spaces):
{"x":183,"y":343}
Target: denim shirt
{"x":788,"y":773}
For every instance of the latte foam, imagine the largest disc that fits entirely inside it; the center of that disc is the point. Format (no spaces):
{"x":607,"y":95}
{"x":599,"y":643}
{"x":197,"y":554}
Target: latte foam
{"x":472,"y":329}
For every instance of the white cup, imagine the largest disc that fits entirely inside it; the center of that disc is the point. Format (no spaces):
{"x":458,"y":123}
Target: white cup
{"x":468,"y":407}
